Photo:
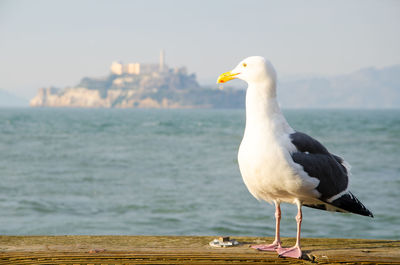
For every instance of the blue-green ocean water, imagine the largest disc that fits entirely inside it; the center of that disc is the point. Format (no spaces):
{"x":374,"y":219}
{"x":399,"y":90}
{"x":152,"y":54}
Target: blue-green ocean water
{"x":175,"y":172}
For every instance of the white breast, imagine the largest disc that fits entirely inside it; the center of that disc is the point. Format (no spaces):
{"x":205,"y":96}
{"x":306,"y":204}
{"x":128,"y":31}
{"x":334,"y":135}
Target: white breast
{"x":267,"y":168}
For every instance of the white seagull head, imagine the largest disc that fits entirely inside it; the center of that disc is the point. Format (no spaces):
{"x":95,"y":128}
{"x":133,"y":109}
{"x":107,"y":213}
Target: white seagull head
{"x":254,"y":69}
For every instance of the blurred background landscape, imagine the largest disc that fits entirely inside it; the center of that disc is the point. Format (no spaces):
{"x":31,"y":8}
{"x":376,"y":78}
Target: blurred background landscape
{"x":111,"y":121}
{"x":367,"y":88}
{"x":335,"y":55}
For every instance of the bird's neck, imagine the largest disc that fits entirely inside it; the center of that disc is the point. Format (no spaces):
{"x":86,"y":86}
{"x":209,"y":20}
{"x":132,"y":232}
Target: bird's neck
{"x":262,"y":109}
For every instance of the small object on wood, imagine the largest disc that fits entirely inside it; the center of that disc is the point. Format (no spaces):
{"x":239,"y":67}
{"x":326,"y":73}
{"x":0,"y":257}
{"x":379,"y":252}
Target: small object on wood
{"x":224,"y":241}
{"x":95,"y":250}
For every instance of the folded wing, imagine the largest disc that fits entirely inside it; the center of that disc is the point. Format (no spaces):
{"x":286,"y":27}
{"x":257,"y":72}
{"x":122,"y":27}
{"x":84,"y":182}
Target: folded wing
{"x":331,"y":171}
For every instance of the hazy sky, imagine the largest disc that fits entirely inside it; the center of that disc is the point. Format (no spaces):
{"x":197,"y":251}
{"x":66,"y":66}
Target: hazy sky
{"x":45,"y":43}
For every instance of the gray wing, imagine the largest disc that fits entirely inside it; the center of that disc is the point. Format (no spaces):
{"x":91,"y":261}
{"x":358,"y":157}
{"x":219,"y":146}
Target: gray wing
{"x":330,"y":170}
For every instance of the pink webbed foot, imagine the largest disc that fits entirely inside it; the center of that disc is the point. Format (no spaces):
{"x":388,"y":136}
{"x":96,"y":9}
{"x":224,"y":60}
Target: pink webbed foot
{"x":271,"y":247}
{"x":294,"y":252}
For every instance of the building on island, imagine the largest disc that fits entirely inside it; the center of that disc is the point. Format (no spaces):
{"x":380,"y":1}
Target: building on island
{"x":118,"y":68}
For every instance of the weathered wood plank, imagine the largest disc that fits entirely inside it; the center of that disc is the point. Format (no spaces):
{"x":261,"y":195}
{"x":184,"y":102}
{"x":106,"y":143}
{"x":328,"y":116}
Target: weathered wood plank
{"x":186,"y":250}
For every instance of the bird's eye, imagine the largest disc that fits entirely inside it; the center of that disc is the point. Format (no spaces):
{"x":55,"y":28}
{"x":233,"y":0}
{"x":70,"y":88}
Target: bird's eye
{"x":244,"y":64}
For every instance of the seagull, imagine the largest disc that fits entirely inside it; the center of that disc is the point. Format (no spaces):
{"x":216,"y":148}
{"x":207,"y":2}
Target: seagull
{"x":281,"y":165}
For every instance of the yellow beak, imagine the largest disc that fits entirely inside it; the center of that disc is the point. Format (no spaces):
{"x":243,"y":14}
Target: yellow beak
{"x":225,"y":77}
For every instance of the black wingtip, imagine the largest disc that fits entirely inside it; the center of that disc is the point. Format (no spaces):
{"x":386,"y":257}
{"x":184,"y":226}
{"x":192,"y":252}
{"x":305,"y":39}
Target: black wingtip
{"x":350,"y":203}
{"x":366,"y":213}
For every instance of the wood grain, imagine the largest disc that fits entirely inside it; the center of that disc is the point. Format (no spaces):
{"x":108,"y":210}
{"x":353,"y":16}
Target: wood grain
{"x":187,"y":250}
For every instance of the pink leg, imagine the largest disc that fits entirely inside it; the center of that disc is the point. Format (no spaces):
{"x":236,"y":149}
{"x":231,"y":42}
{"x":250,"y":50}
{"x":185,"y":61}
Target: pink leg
{"x":277,"y":242}
{"x":295,"y":251}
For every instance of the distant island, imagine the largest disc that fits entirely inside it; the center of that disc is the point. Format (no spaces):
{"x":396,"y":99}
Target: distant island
{"x":138,"y":85}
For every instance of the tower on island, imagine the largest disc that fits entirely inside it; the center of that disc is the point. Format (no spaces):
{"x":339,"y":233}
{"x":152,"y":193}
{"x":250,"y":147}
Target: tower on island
{"x":162,"y":60}
{"x":118,"y":68}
